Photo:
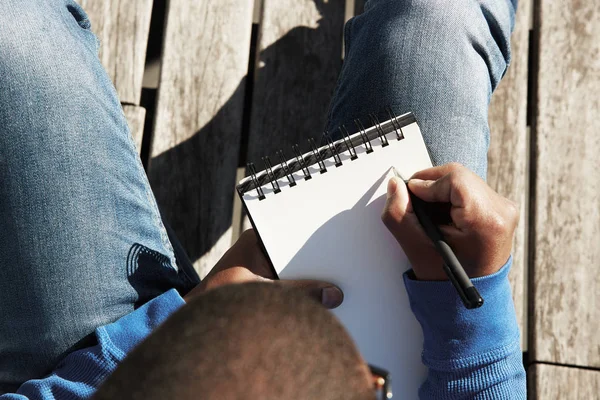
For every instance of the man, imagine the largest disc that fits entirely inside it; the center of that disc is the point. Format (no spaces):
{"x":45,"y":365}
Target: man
{"x":83,"y":244}
{"x":252,"y":342}
{"x":245,"y":341}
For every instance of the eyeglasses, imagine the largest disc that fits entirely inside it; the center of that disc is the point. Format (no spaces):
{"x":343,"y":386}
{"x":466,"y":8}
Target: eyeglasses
{"x":382,"y":382}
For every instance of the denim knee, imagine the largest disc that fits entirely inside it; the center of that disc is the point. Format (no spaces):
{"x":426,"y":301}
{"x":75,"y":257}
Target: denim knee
{"x":44,"y":47}
{"x":36,"y":40}
{"x":446,"y":29}
{"x":439,"y":59}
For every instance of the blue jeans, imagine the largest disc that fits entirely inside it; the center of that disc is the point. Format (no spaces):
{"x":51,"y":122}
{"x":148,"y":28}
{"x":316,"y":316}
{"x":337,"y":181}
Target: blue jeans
{"x":440,"y":59}
{"x":82,"y":242}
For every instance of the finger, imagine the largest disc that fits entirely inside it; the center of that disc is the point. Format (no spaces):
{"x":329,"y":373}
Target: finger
{"x":449,"y":231}
{"x":325,"y":293}
{"x":452,"y":188}
{"x":231,"y":275}
{"x":248,"y":234}
{"x":397,"y":203}
{"x":432,"y":191}
{"x":402,"y":222}
{"x":434,"y":173}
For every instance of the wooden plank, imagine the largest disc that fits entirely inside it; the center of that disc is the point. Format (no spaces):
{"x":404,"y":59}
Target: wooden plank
{"x":257,"y":11}
{"x":566,"y":282}
{"x":349,"y":12}
{"x":198,"y":121}
{"x":508,"y":153}
{"x":122,"y":27}
{"x":239,"y":218}
{"x":549,"y":382}
{"x":135,"y":119}
{"x":300,"y":47}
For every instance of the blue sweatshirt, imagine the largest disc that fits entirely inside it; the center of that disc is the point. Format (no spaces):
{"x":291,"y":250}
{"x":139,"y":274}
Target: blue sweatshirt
{"x":470,"y":354}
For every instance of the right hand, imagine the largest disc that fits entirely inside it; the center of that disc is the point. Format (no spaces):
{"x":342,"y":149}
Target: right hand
{"x":483,"y":222}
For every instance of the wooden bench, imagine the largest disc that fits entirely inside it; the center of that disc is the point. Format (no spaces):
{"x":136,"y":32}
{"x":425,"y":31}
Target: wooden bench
{"x":220,"y":102}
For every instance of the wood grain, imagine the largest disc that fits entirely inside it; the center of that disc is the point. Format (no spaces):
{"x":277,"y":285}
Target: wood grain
{"x":135,"y":119}
{"x":566,"y":282}
{"x":550,"y":382}
{"x":122,"y":27}
{"x":198,"y":121}
{"x":508,"y":153}
{"x":299,"y":59}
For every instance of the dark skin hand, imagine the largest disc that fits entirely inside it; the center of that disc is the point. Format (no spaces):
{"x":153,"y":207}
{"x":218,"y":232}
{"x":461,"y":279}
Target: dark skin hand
{"x":483,"y":224}
{"x":245,"y":262}
{"x":482,"y":228}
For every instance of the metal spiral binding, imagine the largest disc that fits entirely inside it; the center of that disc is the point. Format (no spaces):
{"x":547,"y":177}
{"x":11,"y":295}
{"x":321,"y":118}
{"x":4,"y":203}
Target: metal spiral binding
{"x":397,"y":127}
{"x":348,"y":143}
{"x":363,"y":135}
{"x":317,"y":155}
{"x":269,"y":169}
{"x":286,"y":169}
{"x":301,"y":162}
{"x":380,"y":132}
{"x":273,"y":174}
{"x":261,"y":194}
{"x":336,"y":156}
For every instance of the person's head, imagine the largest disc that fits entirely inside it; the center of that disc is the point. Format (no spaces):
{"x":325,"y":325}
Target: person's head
{"x":249,"y":341}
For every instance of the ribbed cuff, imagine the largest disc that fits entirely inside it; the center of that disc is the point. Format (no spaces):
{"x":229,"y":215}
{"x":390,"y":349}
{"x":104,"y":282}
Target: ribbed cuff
{"x":130,"y":330}
{"x":452,"y":332}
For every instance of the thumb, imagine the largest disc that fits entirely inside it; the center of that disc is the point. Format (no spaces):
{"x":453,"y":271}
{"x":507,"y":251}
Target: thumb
{"x":402,"y":222}
{"x":325,"y":293}
{"x":398,"y":215}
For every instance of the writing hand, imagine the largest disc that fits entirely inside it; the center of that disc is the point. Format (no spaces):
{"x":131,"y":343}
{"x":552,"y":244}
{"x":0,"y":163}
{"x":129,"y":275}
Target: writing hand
{"x":483,"y":222}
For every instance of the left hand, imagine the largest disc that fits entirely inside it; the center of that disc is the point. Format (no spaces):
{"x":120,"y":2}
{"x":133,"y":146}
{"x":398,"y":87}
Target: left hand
{"x":245,"y":262}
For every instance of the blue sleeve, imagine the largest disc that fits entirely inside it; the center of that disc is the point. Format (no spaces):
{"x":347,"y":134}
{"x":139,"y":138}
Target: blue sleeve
{"x":80,"y":373}
{"x":470,"y":354}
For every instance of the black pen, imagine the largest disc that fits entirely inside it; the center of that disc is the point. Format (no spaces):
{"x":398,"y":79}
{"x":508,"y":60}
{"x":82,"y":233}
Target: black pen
{"x":456,"y":273}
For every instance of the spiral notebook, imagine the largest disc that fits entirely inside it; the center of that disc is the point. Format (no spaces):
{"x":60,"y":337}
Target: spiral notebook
{"x":318,"y":217}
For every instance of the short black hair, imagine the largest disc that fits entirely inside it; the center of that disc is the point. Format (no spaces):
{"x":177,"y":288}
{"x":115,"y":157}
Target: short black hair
{"x":246,"y":341}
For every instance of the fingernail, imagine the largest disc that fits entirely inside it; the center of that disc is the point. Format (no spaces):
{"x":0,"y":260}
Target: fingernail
{"x":331,"y":297}
{"x":392,"y":187}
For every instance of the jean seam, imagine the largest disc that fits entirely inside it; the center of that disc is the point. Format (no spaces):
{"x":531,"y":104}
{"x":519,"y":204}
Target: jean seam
{"x":149,"y":194}
{"x":155,"y":213}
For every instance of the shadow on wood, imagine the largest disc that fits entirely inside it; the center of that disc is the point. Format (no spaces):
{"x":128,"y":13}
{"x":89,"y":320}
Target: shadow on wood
{"x":194,"y":180}
{"x":297,"y":75}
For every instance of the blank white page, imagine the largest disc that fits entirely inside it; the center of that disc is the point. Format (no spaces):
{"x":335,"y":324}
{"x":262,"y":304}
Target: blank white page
{"x":329,"y":228}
